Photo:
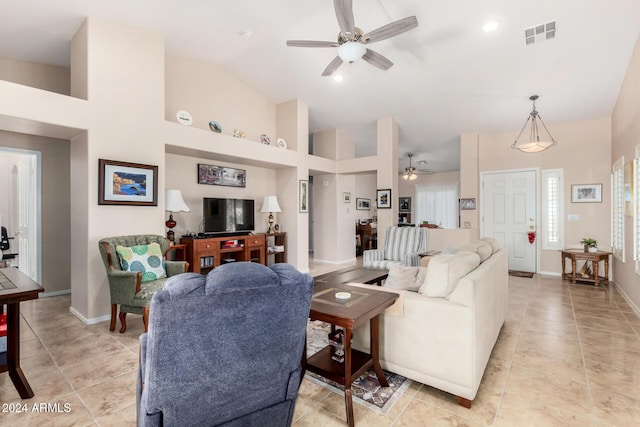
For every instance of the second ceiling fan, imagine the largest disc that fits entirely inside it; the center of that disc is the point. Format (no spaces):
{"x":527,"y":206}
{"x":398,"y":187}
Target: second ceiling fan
{"x":352,"y":42}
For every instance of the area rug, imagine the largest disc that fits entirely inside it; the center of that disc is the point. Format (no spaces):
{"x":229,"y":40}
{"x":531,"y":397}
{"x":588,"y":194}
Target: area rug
{"x":526,"y":274}
{"x":366,"y":389}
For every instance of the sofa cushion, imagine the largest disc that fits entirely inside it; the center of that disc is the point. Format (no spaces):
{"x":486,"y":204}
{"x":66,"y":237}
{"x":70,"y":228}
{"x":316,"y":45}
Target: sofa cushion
{"x":146,"y":259}
{"x":445,"y":270}
{"x":495,"y":245}
{"x":402,"y":277}
{"x":483,"y":249}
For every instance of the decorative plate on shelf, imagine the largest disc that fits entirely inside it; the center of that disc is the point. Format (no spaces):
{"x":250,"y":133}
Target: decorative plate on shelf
{"x":184,"y":118}
{"x":215,"y":126}
{"x":265,"y":139}
{"x":281,"y":143}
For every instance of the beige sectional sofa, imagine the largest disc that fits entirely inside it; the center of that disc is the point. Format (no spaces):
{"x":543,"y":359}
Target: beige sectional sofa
{"x":445,"y":341}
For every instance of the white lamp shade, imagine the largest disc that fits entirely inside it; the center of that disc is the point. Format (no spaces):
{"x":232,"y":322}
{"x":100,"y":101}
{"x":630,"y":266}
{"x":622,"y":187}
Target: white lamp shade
{"x":173,"y":201}
{"x":351,"y":51}
{"x":270,"y":204}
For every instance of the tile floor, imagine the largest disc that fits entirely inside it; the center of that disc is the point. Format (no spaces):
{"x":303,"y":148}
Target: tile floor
{"x":567,"y":355}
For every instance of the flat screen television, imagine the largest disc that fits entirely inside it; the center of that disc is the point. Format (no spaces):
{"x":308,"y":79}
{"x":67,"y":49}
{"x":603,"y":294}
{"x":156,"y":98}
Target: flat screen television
{"x":228,"y":215}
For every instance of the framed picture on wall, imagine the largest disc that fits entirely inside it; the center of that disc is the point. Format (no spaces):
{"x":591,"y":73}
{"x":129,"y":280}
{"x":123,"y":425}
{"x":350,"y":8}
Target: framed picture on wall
{"x":346,"y":197}
{"x":586,"y":193}
{"x":467,"y":204}
{"x":122,"y":183}
{"x":221,"y":175}
{"x":384,"y":199}
{"x":363,"y":204}
{"x":405,"y":204}
{"x":304,"y":195}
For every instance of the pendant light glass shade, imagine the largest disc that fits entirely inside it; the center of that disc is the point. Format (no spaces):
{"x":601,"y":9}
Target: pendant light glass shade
{"x":537,"y":142}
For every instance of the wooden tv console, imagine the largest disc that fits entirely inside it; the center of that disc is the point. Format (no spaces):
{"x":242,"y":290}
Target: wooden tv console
{"x":205,"y":254}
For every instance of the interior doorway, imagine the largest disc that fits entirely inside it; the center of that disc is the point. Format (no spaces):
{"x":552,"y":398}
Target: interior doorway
{"x":20,"y":208}
{"x":509,"y":210}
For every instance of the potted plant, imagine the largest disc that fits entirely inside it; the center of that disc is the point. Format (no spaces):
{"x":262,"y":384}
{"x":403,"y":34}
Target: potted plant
{"x":590,"y":245}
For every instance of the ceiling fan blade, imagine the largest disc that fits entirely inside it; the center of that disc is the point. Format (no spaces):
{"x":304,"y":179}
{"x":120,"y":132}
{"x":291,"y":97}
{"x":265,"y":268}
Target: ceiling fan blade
{"x":332,"y":67}
{"x":344,"y":13}
{"x":377,"y":60}
{"x":311,"y":43}
{"x":392,"y":29}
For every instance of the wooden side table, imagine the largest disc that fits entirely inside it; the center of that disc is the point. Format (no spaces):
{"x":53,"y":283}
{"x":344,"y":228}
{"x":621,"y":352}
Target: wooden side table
{"x":594,"y":257}
{"x":364,"y":305}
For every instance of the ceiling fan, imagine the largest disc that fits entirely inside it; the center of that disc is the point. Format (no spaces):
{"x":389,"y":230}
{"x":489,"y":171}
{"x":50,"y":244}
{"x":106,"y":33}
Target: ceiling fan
{"x":410,"y":173}
{"x":352,"y":42}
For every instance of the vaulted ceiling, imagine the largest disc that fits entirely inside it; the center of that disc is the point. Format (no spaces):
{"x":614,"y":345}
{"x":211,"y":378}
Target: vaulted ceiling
{"x":449,"y":76}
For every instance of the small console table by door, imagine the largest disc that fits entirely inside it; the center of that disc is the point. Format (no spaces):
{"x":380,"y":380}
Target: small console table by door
{"x":595,"y":258}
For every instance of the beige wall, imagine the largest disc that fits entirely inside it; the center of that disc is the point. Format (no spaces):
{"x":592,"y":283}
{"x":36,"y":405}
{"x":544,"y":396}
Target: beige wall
{"x":365,"y":188}
{"x":210,"y":93}
{"x":182,"y":174}
{"x":584,"y":154}
{"x":626,"y":137}
{"x":41,"y":76}
{"x":55,"y":206}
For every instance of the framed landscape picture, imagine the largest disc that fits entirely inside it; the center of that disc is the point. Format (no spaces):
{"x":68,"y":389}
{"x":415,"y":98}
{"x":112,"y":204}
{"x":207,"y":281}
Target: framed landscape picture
{"x":586,"y":193}
{"x":123,"y":183}
{"x":221,"y":175}
{"x":384,"y":199}
{"x":363,"y":204}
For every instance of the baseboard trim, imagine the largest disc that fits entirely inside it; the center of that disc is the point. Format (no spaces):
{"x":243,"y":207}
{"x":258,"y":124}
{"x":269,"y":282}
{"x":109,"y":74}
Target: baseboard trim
{"x":635,"y":308}
{"x":54,"y":293}
{"x":549,"y":273}
{"x":91,"y":321}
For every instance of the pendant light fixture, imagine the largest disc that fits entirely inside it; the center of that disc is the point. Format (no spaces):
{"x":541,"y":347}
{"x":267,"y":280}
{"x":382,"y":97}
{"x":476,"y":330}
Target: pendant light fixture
{"x":410,"y":172}
{"x":536,"y":142}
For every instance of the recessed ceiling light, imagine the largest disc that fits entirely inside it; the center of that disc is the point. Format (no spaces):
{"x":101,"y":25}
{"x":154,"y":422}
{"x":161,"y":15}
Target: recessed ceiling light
{"x":490,"y":26}
{"x":246,"y":33}
{"x":338,"y":78}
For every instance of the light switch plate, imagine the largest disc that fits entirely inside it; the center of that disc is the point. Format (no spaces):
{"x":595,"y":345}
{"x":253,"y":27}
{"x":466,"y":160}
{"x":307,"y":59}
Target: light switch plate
{"x":573,"y":217}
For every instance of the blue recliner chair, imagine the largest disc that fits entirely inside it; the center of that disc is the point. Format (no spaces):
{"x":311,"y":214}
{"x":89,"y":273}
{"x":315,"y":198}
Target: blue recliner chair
{"x":225,"y":349}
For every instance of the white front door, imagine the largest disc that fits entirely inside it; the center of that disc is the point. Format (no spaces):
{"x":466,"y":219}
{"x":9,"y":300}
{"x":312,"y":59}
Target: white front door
{"x":509,"y":211}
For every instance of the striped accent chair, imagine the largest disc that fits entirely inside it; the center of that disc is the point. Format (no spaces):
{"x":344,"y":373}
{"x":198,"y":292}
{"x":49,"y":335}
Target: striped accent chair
{"x":401,"y":246}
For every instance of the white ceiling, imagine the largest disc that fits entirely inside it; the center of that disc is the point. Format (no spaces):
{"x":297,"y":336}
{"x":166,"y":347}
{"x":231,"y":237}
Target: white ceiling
{"x":449,"y":77}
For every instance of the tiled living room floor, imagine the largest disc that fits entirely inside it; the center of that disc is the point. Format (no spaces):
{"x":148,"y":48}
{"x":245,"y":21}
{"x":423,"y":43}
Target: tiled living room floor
{"x":567,"y":355}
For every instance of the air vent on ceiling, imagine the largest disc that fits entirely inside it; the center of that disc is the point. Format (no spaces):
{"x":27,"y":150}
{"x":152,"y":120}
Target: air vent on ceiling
{"x":540,"y":33}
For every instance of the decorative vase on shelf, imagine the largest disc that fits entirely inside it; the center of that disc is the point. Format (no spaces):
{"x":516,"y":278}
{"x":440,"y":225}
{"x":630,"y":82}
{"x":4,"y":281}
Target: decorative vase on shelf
{"x":593,"y":249}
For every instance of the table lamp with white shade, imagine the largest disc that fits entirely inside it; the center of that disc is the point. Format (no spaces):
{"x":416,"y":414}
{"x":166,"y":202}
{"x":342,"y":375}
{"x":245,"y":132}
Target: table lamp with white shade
{"x":173,"y":203}
{"x":270,"y":204}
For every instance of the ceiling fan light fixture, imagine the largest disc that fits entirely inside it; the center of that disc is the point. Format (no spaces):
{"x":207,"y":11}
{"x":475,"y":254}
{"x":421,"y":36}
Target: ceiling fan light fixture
{"x":410,"y":176}
{"x":351,"y":51}
{"x":536,"y":142}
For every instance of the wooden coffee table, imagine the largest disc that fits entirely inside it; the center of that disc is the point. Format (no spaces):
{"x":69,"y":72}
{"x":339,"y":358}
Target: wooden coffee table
{"x":364,"y":305}
{"x":368,"y":276}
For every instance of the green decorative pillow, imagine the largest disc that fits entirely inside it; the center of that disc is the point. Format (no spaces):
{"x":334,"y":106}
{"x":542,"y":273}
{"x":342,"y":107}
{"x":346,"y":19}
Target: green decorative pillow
{"x":144,"y":258}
